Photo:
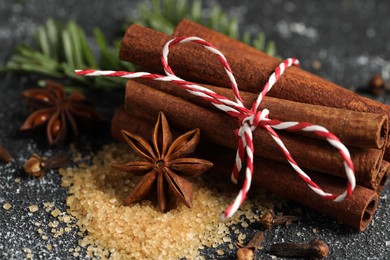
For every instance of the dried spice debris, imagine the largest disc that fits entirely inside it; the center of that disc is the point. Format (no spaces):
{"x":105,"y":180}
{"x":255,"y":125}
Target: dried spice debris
{"x":58,"y":111}
{"x":270,"y":219}
{"x":247,"y":252}
{"x":5,"y":155}
{"x":35,"y":166}
{"x":165,"y":163}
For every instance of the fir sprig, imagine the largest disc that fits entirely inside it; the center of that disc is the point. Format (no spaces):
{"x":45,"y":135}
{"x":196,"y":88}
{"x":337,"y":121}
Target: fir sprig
{"x":59,"y":50}
{"x":164,"y":15}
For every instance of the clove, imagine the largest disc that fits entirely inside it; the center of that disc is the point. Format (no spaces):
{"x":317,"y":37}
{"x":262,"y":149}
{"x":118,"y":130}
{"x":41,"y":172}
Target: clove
{"x":316,"y":249}
{"x":376,"y":85}
{"x":5,"y":155}
{"x":36,"y":166}
{"x":247,"y":252}
{"x":270,"y":219}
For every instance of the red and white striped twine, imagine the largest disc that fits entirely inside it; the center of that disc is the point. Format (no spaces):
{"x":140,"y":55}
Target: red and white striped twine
{"x":249,"y":120}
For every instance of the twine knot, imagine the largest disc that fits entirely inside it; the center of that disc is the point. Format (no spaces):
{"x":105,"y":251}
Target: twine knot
{"x":253,"y":120}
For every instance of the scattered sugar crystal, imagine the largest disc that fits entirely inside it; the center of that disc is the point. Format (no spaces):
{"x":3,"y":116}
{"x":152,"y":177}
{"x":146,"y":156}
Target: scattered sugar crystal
{"x":56,"y":212}
{"x":220,"y":252}
{"x":244,"y":224}
{"x":7,"y":206}
{"x":33,"y":208}
{"x":66,"y":219}
{"x":48,"y":204}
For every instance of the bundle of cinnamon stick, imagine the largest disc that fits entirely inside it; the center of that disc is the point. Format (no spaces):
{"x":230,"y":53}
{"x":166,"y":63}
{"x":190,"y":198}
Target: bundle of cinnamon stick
{"x":360,"y":123}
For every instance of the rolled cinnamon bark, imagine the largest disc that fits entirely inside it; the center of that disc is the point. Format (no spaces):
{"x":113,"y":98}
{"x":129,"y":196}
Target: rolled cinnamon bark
{"x":356,"y":211}
{"x":219,"y":128}
{"x":143,"y":46}
{"x":358,"y":129}
{"x":295,"y":80}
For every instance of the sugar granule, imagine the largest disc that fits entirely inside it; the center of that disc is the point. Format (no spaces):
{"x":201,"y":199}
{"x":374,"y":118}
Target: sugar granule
{"x":33,"y":208}
{"x":7,"y":206}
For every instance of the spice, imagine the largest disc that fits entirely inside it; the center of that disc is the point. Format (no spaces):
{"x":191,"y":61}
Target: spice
{"x":5,"y":155}
{"x":247,"y":252}
{"x":376,"y":85}
{"x":36,"y":166}
{"x":33,"y":166}
{"x":316,"y":249}
{"x":270,"y":219}
{"x":58,"y":111}
{"x":166,"y":163}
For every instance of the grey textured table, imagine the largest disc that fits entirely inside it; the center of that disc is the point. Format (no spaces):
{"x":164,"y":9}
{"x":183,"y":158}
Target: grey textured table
{"x":349,"y":38}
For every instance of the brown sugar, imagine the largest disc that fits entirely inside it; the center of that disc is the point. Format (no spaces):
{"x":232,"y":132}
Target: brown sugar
{"x":141,"y":231}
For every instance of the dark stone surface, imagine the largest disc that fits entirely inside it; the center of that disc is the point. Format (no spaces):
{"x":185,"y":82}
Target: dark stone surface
{"x":349,"y":38}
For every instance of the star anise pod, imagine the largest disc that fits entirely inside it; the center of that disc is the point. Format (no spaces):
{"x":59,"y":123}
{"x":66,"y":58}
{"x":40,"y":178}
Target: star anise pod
{"x":165,"y":165}
{"x":55,"y":109}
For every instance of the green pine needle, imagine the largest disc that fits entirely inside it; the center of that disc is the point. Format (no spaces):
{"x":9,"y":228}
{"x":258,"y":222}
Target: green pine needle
{"x":59,"y":50}
{"x":164,"y":15}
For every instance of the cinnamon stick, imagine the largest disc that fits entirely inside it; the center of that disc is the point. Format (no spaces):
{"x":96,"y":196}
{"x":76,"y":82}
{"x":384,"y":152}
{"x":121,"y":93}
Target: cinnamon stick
{"x":356,"y":129}
{"x":296,"y":84}
{"x":356,"y":211}
{"x":219,"y":128}
{"x":143,"y":47}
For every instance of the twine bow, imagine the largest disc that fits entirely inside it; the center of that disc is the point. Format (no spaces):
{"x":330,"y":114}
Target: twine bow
{"x":249,"y":120}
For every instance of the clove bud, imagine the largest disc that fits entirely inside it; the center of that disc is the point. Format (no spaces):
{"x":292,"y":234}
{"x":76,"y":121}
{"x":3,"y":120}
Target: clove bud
{"x":376,"y":85}
{"x":316,"y":249}
{"x":247,"y":252}
{"x":270,"y":219}
{"x":36,"y":166}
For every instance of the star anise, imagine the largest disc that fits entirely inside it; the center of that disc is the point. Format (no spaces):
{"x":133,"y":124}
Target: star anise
{"x":165,"y":165}
{"x":52,"y":107}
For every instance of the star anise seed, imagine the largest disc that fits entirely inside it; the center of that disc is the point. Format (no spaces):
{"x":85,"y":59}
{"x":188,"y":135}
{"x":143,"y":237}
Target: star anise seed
{"x":165,"y":165}
{"x":52,"y":107}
